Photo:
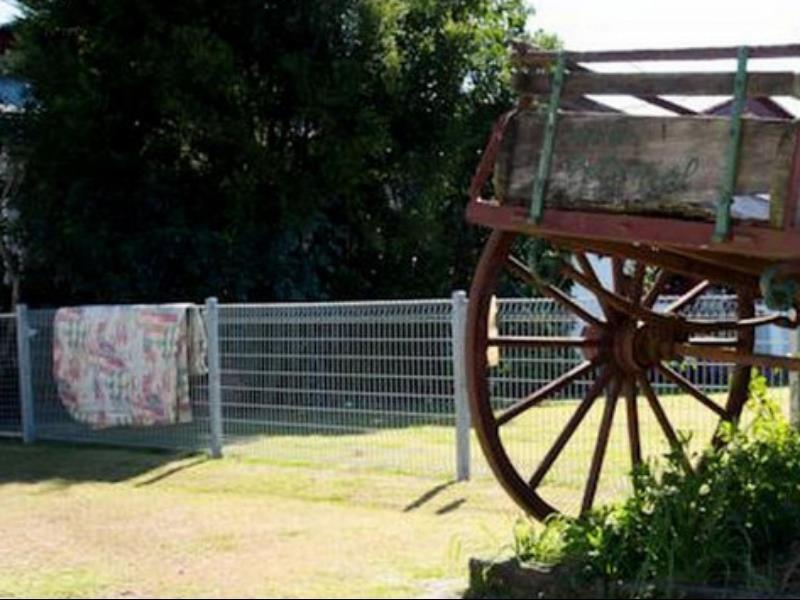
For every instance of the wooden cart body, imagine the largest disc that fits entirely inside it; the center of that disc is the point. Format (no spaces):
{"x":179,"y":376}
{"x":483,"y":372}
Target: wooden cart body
{"x":651,"y":180}
{"x":652,"y":192}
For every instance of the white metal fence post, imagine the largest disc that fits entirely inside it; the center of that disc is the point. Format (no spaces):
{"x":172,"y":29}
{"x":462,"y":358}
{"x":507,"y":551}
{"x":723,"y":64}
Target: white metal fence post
{"x":214,"y":384}
{"x":794,"y":380}
{"x":24,"y":334}
{"x":463,"y":420}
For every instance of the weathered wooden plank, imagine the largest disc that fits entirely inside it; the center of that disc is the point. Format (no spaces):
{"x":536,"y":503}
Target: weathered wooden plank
{"x":526,"y":54}
{"x":580,"y":83}
{"x":672,"y":107}
{"x":643,"y":165}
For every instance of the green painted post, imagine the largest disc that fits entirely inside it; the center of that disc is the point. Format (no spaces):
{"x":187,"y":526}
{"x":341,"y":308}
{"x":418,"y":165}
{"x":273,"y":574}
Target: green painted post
{"x":722,"y":228}
{"x":548,"y":142}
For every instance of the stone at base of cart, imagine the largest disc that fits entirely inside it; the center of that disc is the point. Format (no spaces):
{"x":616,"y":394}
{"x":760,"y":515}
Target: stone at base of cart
{"x":514,"y":579}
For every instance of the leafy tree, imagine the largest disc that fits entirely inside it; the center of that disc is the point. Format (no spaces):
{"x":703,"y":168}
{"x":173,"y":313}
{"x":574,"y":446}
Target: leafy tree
{"x":255,"y":149}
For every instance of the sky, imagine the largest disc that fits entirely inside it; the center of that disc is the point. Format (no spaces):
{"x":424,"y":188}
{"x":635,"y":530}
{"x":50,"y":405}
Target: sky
{"x":632,"y":24}
{"x":609,"y":24}
{"x":593,"y":24}
{"x":7,"y":11}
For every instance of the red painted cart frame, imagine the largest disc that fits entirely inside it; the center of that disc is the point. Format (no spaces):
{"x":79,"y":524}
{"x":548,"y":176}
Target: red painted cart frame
{"x":630,"y":343}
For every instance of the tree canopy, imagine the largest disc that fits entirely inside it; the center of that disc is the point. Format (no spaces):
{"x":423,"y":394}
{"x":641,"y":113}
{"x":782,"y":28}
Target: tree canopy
{"x":255,"y":150}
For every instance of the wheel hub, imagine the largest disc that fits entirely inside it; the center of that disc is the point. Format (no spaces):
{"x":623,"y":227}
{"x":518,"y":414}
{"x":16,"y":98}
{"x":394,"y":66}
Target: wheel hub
{"x":634,"y":346}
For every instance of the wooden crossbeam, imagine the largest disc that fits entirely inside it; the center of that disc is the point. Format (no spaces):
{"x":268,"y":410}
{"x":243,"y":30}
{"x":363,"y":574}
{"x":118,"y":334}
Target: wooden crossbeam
{"x":525,"y":54}
{"x":581,"y":83}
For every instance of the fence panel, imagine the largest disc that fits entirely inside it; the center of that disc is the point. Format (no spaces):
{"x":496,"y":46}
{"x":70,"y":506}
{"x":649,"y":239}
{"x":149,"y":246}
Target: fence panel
{"x":369,"y":385}
{"x":53,"y":422}
{"x":355,"y":384}
{"x":10,"y":411}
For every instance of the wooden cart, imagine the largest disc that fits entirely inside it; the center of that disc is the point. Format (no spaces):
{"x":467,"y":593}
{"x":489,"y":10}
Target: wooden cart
{"x":662,"y":196}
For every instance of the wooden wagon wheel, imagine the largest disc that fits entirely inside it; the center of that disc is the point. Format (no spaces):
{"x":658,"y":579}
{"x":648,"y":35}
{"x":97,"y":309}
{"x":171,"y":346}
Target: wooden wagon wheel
{"x":624,"y":347}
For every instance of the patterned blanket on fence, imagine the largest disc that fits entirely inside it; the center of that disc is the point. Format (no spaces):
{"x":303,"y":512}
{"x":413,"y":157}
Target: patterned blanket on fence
{"x":128,"y":364}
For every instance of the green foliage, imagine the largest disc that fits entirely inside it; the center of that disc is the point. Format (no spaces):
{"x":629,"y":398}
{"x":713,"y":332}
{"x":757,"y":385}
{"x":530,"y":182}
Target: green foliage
{"x":256,"y":149}
{"x":732,"y":521}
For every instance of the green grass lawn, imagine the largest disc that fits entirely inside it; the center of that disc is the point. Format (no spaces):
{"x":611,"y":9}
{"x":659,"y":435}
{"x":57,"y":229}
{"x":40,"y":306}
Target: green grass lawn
{"x":88,"y":522}
{"x":285,"y":516}
{"x":430,"y":449}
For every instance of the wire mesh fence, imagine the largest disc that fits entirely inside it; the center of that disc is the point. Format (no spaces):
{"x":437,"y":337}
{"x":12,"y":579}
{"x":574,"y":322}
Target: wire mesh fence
{"x":365,"y":384}
{"x":372,"y":385}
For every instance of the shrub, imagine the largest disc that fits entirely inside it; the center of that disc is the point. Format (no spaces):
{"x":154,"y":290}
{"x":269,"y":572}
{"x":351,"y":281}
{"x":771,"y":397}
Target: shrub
{"x":732,"y":521}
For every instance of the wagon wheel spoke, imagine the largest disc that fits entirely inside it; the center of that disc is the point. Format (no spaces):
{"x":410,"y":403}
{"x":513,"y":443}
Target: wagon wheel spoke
{"x":632,"y":410}
{"x":729,"y":355}
{"x":688,"y":297}
{"x":624,"y":305}
{"x":659,"y":284}
{"x":637,"y":283}
{"x":518,"y":268}
{"x":613,"y":299}
{"x":688,"y":387}
{"x":586,"y":266}
{"x":776,"y":319}
{"x":588,"y":270}
{"x":600,"y":447}
{"x":714,"y":341}
{"x":540,"y":341}
{"x":740,"y":382}
{"x":569,"y":430}
{"x":618,"y":276}
{"x":711,"y":326}
{"x":663,"y":421}
{"x":544,"y":392}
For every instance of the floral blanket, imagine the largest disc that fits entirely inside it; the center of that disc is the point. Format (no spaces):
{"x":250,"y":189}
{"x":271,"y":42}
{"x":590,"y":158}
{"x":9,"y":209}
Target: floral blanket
{"x":128,"y":365}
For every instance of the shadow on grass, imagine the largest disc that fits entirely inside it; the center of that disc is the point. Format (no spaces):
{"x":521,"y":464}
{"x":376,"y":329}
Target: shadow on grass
{"x":428,"y":496}
{"x":66,"y":463}
{"x":451,"y":506}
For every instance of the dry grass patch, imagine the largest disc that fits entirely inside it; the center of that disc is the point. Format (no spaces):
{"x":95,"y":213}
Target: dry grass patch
{"x":82,"y":522}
